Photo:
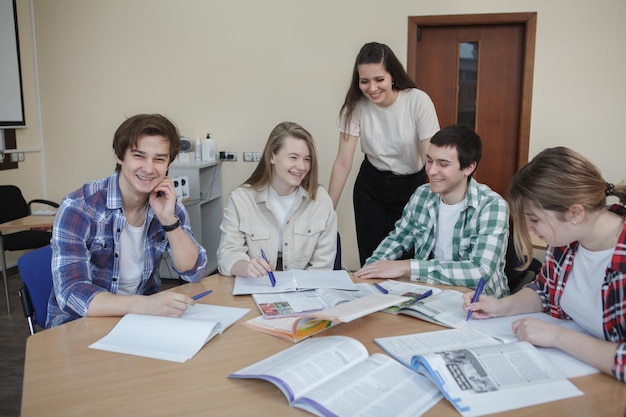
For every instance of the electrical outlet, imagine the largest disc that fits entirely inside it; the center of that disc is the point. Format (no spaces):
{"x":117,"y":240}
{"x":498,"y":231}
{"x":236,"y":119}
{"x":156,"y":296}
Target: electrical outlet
{"x":228,"y":156}
{"x":247,"y":157}
{"x":256,"y":156}
{"x":13,"y":157}
{"x":20,"y":156}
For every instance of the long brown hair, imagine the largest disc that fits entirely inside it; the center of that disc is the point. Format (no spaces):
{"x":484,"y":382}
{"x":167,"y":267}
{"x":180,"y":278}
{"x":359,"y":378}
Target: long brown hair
{"x":262,"y":174}
{"x":374,"y":53}
{"x":556,"y":179}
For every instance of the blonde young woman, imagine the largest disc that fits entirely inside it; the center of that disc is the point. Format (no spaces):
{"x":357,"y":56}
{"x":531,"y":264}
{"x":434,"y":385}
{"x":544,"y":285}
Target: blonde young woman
{"x":280,"y":211}
{"x":561,"y":197}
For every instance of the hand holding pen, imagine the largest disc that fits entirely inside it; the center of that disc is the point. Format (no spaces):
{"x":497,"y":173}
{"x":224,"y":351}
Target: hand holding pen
{"x":479,"y":290}
{"x":269,"y":273}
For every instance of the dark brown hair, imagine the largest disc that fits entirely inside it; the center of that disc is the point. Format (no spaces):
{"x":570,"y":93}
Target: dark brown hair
{"x":133,"y":128}
{"x":374,"y":53}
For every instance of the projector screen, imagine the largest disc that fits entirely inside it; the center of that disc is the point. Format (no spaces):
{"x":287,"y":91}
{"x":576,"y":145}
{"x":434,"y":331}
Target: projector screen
{"x":11,"y":104}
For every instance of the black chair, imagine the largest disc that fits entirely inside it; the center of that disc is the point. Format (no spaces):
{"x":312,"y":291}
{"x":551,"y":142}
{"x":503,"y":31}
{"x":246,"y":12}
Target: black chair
{"x":36,"y":273}
{"x":337,"y":265}
{"x":13,"y":206}
{"x":518,"y":279}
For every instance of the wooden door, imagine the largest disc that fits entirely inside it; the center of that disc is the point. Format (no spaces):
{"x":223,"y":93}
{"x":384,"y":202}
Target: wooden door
{"x":497,"y":100}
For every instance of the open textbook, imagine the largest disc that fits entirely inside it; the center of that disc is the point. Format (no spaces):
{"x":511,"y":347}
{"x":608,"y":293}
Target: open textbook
{"x":335,"y":376}
{"x":443,"y":307}
{"x":294,"y":280}
{"x":299,"y":303}
{"x":490,"y":379}
{"x":169,"y":338}
{"x":476,"y":333}
{"x":296,"y":329}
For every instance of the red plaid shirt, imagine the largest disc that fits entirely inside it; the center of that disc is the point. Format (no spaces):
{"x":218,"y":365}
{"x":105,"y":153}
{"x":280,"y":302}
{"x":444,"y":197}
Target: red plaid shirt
{"x":551,"y":281}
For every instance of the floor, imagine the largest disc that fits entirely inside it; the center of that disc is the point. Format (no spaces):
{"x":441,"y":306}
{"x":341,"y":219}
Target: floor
{"x":13,"y":335}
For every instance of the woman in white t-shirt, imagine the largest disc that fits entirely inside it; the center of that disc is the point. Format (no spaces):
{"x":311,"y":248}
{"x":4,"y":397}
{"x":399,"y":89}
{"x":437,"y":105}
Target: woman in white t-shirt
{"x":280,"y":218}
{"x":394,"y":120}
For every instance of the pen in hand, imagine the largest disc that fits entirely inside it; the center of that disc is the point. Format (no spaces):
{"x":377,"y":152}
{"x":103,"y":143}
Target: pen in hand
{"x":479,"y":290}
{"x":270,"y":273}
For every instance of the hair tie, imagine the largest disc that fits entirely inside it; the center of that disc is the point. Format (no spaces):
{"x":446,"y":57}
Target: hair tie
{"x":610,"y":189}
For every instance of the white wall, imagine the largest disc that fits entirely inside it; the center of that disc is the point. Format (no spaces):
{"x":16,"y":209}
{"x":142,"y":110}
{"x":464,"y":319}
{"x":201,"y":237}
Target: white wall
{"x":236,"y":68}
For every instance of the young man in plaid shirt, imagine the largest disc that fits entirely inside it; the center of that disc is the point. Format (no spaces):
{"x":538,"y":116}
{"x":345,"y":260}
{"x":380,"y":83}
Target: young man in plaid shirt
{"x":457,"y":227}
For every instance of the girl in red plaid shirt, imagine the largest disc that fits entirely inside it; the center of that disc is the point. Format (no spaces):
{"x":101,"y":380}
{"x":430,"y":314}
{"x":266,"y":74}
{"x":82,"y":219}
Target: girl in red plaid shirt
{"x":562,"y":198}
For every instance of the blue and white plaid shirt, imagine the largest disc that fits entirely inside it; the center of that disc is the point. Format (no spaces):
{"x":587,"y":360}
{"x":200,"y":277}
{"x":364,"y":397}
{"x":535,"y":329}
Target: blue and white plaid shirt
{"x":86,"y":244}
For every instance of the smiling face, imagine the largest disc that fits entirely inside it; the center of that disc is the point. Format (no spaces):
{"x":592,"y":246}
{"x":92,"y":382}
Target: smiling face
{"x":144,"y":166}
{"x":376,"y":84}
{"x":445,"y":174}
{"x":290,"y":165}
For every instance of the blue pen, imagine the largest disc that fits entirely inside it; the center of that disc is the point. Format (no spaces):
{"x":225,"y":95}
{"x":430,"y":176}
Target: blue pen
{"x":270,"y":273}
{"x":479,"y":290}
{"x":381,"y":288}
{"x":202,"y":294}
{"x":421,"y":297}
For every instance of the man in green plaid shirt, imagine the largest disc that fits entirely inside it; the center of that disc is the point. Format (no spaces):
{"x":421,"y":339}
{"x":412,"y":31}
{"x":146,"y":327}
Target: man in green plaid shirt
{"x":457,"y":227}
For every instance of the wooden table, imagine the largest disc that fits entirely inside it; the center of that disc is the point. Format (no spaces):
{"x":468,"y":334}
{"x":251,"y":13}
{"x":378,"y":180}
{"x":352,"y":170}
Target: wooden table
{"x":63,"y":377}
{"x":28,"y":222}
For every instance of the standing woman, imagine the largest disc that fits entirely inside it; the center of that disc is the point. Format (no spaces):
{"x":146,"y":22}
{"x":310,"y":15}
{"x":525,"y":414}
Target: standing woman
{"x":561,"y":197}
{"x":394,"y":121}
{"x":280,"y":212}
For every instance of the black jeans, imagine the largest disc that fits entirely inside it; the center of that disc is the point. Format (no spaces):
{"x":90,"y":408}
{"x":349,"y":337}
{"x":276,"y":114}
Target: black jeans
{"x":379,"y":198}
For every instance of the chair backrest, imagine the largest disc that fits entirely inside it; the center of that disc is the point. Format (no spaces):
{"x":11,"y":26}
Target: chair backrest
{"x":35,"y":269}
{"x":13,"y":205}
{"x":337,"y":265}
{"x":518,"y":279}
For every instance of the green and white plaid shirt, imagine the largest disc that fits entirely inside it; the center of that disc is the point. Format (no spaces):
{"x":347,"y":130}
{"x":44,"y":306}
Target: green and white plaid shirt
{"x":478,"y":245}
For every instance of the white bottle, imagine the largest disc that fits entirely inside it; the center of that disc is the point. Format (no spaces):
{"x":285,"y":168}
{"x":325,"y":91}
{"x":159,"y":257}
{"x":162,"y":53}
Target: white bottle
{"x":208,"y":148}
{"x":198,"y":149}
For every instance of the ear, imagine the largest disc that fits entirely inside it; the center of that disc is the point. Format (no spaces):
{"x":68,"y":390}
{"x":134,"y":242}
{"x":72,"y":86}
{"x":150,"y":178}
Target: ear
{"x":273,"y":158}
{"x":576,"y":213}
{"x":469,"y":170}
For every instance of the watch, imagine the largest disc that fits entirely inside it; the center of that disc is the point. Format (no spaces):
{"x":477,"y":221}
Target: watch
{"x":171,"y":227}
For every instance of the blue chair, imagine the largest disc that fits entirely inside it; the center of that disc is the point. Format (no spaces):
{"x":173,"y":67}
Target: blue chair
{"x":36,"y":273}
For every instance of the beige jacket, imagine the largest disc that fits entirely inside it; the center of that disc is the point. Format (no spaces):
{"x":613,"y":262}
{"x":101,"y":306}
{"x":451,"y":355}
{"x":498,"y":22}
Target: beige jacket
{"x":249,"y":225}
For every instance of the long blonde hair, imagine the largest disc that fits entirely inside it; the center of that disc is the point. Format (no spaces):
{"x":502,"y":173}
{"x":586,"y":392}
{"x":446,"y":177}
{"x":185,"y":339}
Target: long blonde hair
{"x":262,"y":174}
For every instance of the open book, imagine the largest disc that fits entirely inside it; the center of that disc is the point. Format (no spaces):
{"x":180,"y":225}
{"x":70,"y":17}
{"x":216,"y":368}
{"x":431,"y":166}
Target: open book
{"x":294,"y":280}
{"x":299,"y":303}
{"x":476,"y":333}
{"x":296,"y":329}
{"x":495,"y":378}
{"x":169,"y":338}
{"x":335,"y":376}
{"x":443,"y":307}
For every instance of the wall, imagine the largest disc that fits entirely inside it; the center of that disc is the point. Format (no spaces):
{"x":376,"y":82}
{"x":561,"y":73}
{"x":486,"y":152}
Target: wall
{"x":236,"y":68}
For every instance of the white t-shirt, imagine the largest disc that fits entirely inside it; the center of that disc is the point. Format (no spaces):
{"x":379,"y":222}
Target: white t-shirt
{"x":582,"y":296}
{"x":446,"y":219}
{"x":131,"y":258}
{"x":391,"y":136}
{"x":282,"y":207}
